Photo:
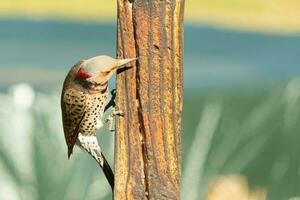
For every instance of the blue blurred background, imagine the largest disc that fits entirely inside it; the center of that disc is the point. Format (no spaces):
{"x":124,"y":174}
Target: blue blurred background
{"x":241,"y":99}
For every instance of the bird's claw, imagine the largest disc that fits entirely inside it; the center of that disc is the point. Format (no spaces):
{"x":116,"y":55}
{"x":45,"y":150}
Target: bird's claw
{"x":113,"y":92}
{"x":111,"y":102}
{"x":110,"y":118}
{"x":118,"y":113}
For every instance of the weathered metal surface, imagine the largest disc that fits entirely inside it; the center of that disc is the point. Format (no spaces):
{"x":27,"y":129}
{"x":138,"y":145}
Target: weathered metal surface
{"x":148,"y":143}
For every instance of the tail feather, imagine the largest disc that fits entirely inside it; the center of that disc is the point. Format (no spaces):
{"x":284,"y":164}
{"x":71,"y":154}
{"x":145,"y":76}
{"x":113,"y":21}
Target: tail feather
{"x":108,"y":172}
{"x":90,"y":145}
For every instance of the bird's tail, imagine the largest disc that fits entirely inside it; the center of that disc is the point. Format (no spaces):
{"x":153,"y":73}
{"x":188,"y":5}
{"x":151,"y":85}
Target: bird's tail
{"x":105,"y":168}
{"x":90,"y":145}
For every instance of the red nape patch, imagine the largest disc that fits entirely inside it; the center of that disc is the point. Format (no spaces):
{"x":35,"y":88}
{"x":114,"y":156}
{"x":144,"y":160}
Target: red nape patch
{"x":81,"y":74}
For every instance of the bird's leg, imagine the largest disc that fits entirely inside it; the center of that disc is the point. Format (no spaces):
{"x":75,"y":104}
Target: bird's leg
{"x":114,"y":112}
{"x":111,"y":116}
{"x":111,"y":102}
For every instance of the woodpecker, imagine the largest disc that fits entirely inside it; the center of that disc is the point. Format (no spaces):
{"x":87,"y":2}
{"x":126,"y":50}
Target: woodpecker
{"x":83,"y":100}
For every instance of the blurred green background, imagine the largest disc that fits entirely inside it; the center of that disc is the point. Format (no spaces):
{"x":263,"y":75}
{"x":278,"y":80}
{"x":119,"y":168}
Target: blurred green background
{"x":241,"y":98}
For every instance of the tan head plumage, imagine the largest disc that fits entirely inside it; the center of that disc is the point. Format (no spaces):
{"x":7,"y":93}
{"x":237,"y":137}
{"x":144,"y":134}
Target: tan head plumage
{"x":99,"y":69}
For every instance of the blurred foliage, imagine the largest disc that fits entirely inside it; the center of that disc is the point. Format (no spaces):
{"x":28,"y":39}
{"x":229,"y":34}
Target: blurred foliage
{"x":250,"y":132}
{"x":33,"y":160}
{"x":259,"y":15}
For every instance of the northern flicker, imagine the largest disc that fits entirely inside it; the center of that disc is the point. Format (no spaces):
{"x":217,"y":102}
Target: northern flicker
{"x":83,"y":100}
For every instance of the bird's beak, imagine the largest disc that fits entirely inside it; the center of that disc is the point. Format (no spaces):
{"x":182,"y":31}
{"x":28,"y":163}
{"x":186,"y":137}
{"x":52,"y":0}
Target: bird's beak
{"x":122,"y":62}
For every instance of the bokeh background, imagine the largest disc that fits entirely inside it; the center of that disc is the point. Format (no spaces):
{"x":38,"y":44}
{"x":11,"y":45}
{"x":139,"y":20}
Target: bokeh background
{"x":241,"y":98}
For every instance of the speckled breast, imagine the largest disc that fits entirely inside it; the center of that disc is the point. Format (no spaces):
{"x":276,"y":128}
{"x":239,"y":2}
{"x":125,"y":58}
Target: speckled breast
{"x":92,"y":119}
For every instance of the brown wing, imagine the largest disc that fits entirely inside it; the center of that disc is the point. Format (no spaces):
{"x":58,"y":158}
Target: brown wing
{"x":73,"y":104}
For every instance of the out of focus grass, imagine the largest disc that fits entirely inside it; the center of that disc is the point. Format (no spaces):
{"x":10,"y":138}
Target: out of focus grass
{"x":258,"y":15}
{"x":33,"y":158}
{"x":250,"y":132}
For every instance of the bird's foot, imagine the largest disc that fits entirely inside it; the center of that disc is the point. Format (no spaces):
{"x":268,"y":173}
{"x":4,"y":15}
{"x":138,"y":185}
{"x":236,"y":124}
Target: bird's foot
{"x":118,"y":113}
{"x":113,"y":93}
{"x":110,"y":118}
{"x":111,"y":102}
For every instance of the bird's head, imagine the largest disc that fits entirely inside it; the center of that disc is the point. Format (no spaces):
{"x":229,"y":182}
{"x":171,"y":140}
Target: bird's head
{"x":99,"y":69}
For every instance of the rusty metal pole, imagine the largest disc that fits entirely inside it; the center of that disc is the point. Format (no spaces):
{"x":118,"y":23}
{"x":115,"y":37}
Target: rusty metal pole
{"x":148,"y":137}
